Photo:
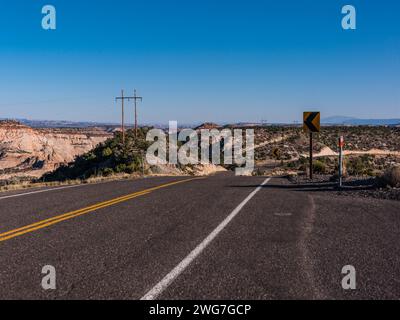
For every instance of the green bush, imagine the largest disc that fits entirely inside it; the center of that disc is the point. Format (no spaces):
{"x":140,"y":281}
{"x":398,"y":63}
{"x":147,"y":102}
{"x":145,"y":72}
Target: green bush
{"x":131,"y":168}
{"x":120,"y":168}
{"x":107,"y":172}
{"x":291,"y":164}
{"x":90,"y":156}
{"x":319,"y":167}
{"x":107,"y":152}
{"x":360,"y":166}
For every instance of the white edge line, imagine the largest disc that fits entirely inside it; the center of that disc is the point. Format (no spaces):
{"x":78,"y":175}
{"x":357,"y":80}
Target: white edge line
{"x":39,"y":191}
{"x":170,"y":277}
{"x":58,"y":188}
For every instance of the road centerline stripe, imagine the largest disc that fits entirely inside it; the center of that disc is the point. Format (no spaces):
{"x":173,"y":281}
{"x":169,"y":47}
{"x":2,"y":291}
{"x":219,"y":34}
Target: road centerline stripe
{"x":160,"y":287}
{"x":73,"y":214}
{"x":41,"y":226}
{"x":76,"y":212}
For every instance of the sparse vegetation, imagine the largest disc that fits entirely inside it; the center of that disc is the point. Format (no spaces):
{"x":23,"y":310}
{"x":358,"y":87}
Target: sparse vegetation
{"x":319,"y":167}
{"x":360,"y":166}
{"x":109,"y":158}
{"x":292,"y":145}
{"x":20,"y":185}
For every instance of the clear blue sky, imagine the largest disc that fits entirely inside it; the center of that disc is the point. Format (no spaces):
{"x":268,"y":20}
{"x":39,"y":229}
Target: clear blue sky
{"x":200,"y":60}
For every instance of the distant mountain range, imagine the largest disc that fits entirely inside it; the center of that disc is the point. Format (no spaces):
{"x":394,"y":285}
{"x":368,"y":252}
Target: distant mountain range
{"x":335,"y":120}
{"x":350,"y":121}
{"x":60,"y":123}
{"x":73,"y":124}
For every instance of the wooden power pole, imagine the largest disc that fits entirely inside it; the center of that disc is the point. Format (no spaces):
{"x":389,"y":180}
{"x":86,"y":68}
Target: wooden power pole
{"x":135,"y":99}
{"x":123,"y":98}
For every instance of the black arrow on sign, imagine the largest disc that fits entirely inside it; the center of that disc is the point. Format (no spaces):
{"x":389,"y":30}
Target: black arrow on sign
{"x":309,"y":121}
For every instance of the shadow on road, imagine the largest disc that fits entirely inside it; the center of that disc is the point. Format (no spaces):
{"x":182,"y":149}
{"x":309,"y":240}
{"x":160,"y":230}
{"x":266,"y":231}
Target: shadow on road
{"x":312,"y":187}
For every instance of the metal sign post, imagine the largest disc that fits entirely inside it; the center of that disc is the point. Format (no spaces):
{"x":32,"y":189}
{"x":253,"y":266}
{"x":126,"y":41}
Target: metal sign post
{"x":311,"y":123}
{"x":311,"y":155}
{"x":341,"y":145}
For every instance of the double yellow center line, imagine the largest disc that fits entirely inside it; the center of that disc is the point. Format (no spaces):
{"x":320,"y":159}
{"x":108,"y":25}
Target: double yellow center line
{"x":73,"y":214}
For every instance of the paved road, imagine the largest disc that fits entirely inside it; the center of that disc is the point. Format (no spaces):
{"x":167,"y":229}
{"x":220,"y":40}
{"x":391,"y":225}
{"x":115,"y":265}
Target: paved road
{"x":220,"y":237}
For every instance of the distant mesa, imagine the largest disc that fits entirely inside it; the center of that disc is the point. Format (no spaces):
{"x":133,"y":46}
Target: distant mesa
{"x":245,"y":125}
{"x":211,"y":125}
{"x":11,"y":124}
{"x":350,"y":121}
{"x":208,"y":125}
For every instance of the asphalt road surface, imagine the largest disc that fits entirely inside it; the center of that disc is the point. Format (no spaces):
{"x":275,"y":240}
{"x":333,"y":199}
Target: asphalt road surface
{"x":219,"y":237}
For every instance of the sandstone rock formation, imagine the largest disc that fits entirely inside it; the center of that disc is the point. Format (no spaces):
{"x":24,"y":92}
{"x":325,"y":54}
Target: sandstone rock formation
{"x":28,"y":152}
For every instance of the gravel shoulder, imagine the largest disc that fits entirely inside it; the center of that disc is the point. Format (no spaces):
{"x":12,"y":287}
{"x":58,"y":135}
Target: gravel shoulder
{"x":363,"y":187}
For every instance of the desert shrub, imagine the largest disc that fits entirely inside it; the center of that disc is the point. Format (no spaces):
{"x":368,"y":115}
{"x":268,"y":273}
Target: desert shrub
{"x":319,"y":166}
{"x":258,"y":172}
{"x":107,"y":172}
{"x":90,"y":156}
{"x":360,"y":166}
{"x":291,"y":165}
{"x":131,"y":168}
{"x":392,"y":177}
{"x":120,"y":168}
{"x":107,"y":152}
{"x":303,"y":160}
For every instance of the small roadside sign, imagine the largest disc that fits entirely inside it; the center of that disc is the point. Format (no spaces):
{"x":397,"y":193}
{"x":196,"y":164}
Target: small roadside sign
{"x":341,"y":142}
{"x":341,"y":145}
{"x":312,"y":121}
{"x":311,"y":124}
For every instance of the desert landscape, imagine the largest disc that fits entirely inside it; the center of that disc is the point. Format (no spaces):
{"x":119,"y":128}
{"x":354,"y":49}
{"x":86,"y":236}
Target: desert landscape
{"x":203,"y":158}
{"x":35,"y":155}
{"x":371,"y":158}
{"x":379,"y":145}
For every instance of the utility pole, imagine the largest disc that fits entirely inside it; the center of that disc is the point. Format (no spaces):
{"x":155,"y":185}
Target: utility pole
{"x":135,"y":99}
{"x":123,"y":98}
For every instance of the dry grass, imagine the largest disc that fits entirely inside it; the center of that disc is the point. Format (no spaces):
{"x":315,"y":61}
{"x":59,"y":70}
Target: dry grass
{"x":93,"y":180}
